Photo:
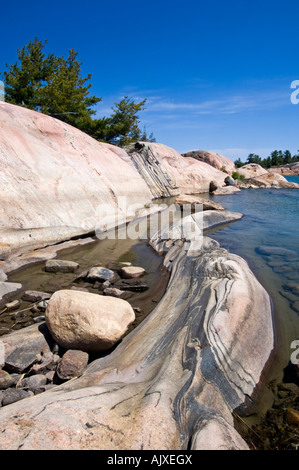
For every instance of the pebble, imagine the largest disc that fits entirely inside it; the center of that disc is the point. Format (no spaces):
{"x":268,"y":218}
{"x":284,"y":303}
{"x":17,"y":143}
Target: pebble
{"x":131,"y":272}
{"x":11,"y":395}
{"x":35,"y":296}
{"x":20,"y":360}
{"x":12,"y":305}
{"x":72,"y":364}
{"x":100,"y":274}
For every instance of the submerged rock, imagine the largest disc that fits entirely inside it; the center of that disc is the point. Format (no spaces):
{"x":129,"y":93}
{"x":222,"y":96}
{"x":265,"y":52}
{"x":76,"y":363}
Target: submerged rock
{"x":193,"y":201}
{"x":61,"y":266}
{"x":131,"y":272}
{"x":100,"y":274}
{"x":89,"y":322}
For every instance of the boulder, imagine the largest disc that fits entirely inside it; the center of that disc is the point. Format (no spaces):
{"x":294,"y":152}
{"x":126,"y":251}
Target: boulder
{"x":60,"y":266}
{"x":216,"y":160}
{"x":89,"y":322}
{"x":252,"y":170}
{"x":229,"y":181}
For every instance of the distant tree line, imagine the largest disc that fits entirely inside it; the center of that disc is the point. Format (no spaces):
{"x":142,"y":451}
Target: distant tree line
{"x":276,"y":158}
{"x":55,"y":86}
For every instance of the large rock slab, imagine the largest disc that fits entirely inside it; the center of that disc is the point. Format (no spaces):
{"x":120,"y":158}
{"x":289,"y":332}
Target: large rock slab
{"x":172,"y":383}
{"x":55,"y":179}
{"x":196,"y":201}
{"x":88,"y":322}
{"x":218,"y":161}
{"x":167,"y":173}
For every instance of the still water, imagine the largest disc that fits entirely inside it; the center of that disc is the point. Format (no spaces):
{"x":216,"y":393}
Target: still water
{"x":267,"y":237}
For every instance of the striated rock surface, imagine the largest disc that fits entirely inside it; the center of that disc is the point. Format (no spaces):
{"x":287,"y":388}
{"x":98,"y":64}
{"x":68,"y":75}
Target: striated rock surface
{"x":218,"y":161}
{"x":89,"y":322}
{"x":167,"y":173}
{"x":171,"y":383}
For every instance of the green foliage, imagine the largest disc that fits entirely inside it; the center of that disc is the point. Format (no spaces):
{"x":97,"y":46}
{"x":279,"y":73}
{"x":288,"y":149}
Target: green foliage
{"x":276,"y":158}
{"x":55,"y":86}
{"x":238,"y":163}
{"x":237,"y":176}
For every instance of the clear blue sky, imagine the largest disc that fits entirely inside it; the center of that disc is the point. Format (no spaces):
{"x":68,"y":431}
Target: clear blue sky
{"x":216,"y":75}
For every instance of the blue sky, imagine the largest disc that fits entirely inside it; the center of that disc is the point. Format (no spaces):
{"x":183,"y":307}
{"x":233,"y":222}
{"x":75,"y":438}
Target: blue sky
{"x":216,"y":75}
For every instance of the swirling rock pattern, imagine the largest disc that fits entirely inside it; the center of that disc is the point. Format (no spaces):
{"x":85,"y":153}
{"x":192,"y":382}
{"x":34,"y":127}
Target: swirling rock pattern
{"x":173,"y":382}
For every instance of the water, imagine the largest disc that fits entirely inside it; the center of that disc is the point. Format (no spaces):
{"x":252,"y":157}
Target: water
{"x":293,"y":179}
{"x":107,"y":252}
{"x":271,"y":220}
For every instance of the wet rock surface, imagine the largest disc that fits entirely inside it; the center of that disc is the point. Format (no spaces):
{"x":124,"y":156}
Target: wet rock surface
{"x":184,"y":356}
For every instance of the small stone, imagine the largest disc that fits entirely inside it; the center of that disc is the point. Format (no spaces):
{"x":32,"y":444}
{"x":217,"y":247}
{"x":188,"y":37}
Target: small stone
{"x":136,"y":287}
{"x":20,"y":360}
{"x":73,"y":364}
{"x":100,"y":274}
{"x":6,"y":380}
{"x":11,"y":395}
{"x":12,"y":305}
{"x":47,"y":362}
{"x":50,"y":375}
{"x":43,"y":304}
{"x":35,"y":296}
{"x":114,"y":292}
{"x":39,"y":319}
{"x":131,"y":272}
{"x":213,"y":186}
{"x":61,"y":266}
{"x":33,"y":382}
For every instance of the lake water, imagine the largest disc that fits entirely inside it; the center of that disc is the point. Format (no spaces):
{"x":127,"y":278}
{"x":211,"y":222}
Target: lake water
{"x":267,"y":237}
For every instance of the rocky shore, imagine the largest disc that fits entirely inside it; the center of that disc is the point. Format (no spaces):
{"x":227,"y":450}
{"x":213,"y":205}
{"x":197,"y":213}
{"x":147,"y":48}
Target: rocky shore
{"x":84,"y":365}
{"x":186,"y":355}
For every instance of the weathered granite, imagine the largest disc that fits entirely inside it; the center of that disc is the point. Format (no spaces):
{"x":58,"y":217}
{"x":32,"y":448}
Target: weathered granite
{"x":167,"y":173}
{"x":55,"y":179}
{"x":218,"y":161}
{"x":174,"y":380}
